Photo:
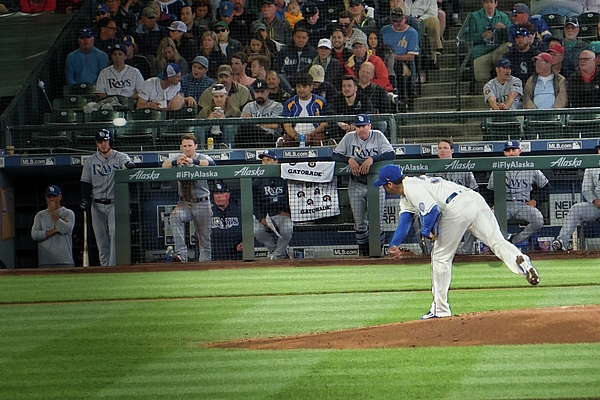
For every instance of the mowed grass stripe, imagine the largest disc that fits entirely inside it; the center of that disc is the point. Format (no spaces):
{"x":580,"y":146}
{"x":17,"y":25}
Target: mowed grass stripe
{"x":281,"y":281}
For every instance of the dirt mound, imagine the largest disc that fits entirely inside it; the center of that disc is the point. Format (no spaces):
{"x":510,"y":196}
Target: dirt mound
{"x":574,"y":324}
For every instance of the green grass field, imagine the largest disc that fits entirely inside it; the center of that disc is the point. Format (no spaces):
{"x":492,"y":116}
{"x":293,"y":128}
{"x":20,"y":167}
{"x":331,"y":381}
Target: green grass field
{"x":140,"y":335}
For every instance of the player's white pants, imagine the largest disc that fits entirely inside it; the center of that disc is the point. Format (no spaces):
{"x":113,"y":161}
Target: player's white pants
{"x":468,"y":211}
{"x":103,"y":222}
{"x":579,"y":212}
{"x":201,"y":214}
{"x":357,"y":193}
{"x":284,"y":226}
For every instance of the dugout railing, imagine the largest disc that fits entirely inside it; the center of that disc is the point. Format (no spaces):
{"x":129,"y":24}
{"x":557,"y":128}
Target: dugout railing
{"x":127,"y":189}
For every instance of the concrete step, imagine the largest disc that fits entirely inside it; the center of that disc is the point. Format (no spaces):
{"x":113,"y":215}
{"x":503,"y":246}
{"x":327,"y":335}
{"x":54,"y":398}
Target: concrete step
{"x":448,"y":103}
{"x":443,"y":89}
{"x":443,"y":75}
{"x":465,"y":132}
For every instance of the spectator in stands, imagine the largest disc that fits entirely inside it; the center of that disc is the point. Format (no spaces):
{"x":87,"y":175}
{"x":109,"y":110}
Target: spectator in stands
{"x":258,"y":46}
{"x":171,"y":8}
{"x":572,"y":45}
{"x":238,"y":94}
{"x":278,"y":29}
{"x":193,"y":29}
{"x":317,"y":27}
{"x":260,"y":134}
{"x":125,"y":20}
{"x":545,"y":89}
{"x":186,"y":47}
{"x":280,"y":7}
{"x":321,"y":86}
{"x":226,"y":44}
{"x":101,"y":13}
{"x":272,"y":217}
{"x":209,"y":48}
{"x":167,"y":53}
{"x":521,"y":55}
{"x":566,"y":8}
{"x":487,"y":31}
{"x":106,"y":36}
{"x":235,"y":29}
{"x":427,"y":11}
{"x":163,"y":92}
{"x":292,"y":13}
{"x":260,"y":66}
{"x":349,"y":102}
{"x":37,"y":6}
{"x":583,"y":86}
{"x":359,"y":14}
{"x":197,"y":81}
{"x":296,"y":58}
{"x":274,"y":47}
{"x":203,"y":14}
{"x":340,"y":51}
{"x":220,"y":108}
{"x":243,"y":17}
{"x":519,"y":187}
{"x":226,"y":225}
{"x":375,"y":94}
{"x":133,"y":7}
{"x":53,"y":230}
{"x":588,"y":209}
{"x":595,"y":48}
{"x":520,"y":17}
{"x":557,"y":51}
{"x":331,"y":66}
{"x":276,"y":92}
{"x":136,"y":60}
{"x":162,"y":19}
{"x":360,"y":55}
{"x":84,"y":64}
{"x":304,"y":103}
{"x":239,"y":63}
{"x":148,"y":34}
{"x":119,"y":79}
{"x":346,"y":24}
{"x":505,"y":91}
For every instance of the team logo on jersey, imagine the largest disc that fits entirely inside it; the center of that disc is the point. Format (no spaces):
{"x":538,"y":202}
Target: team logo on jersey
{"x":422,"y":207}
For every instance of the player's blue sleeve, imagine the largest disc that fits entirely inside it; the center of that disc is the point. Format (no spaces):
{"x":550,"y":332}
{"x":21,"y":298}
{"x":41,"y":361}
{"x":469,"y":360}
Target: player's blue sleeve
{"x":429,"y":221}
{"x":212,"y":163}
{"x":406,"y":219}
{"x":339,"y":157}
{"x":388,"y":155}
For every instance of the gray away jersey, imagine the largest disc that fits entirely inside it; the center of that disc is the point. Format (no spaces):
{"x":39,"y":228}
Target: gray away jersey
{"x":519,"y":184}
{"x":501,"y":92}
{"x":193,"y":190}
{"x":100,"y":171}
{"x":466,"y":179}
{"x":590,"y":188}
{"x":352,"y":146}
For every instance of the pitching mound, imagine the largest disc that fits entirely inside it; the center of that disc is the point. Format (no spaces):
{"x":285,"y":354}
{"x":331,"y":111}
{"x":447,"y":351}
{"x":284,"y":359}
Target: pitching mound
{"x":576,"y":324}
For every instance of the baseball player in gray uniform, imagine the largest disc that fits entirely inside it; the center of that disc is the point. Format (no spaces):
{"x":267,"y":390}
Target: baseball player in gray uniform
{"x":194,"y":201}
{"x":98,"y":193}
{"x":587,"y":210}
{"x":360,"y":149}
{"x":463,"y":209}
{"x":505,"y":91}
{"x":53,"y":230}
{"x":519,"y":204}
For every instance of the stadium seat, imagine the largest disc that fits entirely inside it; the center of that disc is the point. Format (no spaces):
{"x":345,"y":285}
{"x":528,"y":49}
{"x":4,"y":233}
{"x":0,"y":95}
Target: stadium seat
{"x":87,"y":90}
{"x":139,"y":138}
{"x":172,"y":135}
{"x":501,"y":128}
{"x":549,"y":126}
{"x":583,"y":125}
{"x":555,"y":22}
{"x":588,"y":25}
{"x":50,"y":138}
{"x":72,"y":102}
{"x":103,"y":116}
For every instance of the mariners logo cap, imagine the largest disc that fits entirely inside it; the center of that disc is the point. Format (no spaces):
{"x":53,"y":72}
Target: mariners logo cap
{"x":268,"y":153}
{"x":571,"y":21}
{"x":512,"y":144}
{"x":221,"y":187}
{"x":169,"y":71}
{"x":362,"y":120}
{"x":503,"y":63}
{"x":520,"y":8}
{"x":53,"y":190}
{"x":389,"y":173}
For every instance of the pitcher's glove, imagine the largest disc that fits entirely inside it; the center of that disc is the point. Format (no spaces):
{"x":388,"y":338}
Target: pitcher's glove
{"x":399,"y":252}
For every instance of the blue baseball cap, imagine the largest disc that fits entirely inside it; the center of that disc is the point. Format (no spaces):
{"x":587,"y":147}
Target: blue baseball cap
{"x":102,"y":8}
{"x":226,"y":9}
{"x":503,"y":63}
{"x":389,"y":173}
{"x":53,"y":190}
{"x":169,"y":71}
{"x":512,"y":144}
{"x":85,"y":33}
{"x":128,"y":40}
{"x":362,"y":120}
{"x":268,"y":153}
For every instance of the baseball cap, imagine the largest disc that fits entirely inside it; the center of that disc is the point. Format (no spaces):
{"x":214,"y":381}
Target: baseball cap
{"x":219,"y":88}
{"x":598,"y":145}
{"x":268,"y":2}
{"x":128,"y":40}
{"x":325,"y":43}
{"x":225,"y":69}
{"x":222,"y":24}
{"x":221,"y":187}
{"x":318,"y":73}
{"x":103,"y":135}
{"x":362,"y":120}
{"x":503,"y":63}
{"x":388,"y":173}
{"x":512,"y":144}
{"x":149,"y":12}
{"x":201,"y":60}
{"x":169,"y":71}
{"x":571,"y":21}
{"x":260,"y":85}
{"x":359,"y":40}
{"x":268,"y":153}
{"x":356,"y":2}
{"x":102,"y":8}
{"x":178,"y":26}
{"x":258,"y":26}
{"x":310,"y":9}
{"x":557,"y":48}
{"x":397,"y":12}
{"x":226,"y":9}
{"x":53,"y":190}
{"x":522,"y":31}
{"x":520,"y":8}
{"x":594,"y":46}
{"x":544,"y":57}
{"x":85,"y":33}
{"x":117,"y":46}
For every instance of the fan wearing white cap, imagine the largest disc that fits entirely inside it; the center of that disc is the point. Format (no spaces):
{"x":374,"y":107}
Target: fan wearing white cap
{"x":220,"y":109}
{"x":163,"y":92}
{"x":331,"y":66}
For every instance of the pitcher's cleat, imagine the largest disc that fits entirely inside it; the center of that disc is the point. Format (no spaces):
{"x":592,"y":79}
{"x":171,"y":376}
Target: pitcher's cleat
{"x":528,"y":270}
{"x":557,"y":244}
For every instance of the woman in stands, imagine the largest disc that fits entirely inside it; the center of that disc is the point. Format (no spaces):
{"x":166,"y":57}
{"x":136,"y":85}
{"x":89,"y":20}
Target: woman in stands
{"x":220,"y":108}
{"x":383,"y":51}
{"x":204,"y":14}
{"x":167,"y":53}
{"x":209,"y":48}
{"x":257,"y":45}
